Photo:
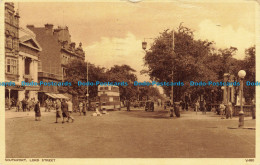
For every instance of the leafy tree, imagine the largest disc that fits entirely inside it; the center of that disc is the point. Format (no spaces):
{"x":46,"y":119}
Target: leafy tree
{"x":77,"y":71}
{"x":124,"y":73}
{"x":250,"y":68}
{"x":188,"y":62}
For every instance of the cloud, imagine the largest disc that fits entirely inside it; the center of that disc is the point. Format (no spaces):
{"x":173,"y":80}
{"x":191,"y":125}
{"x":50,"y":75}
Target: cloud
{"x":226,"y":36}
{"x":117,"y":51}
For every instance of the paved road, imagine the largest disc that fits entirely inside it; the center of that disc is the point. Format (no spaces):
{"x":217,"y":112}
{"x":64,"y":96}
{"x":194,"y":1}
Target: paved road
{"x":134,"y":134}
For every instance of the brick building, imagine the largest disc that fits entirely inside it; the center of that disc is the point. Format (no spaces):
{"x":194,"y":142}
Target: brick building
{"x":11,"y":52}
{"x":57,"y":51}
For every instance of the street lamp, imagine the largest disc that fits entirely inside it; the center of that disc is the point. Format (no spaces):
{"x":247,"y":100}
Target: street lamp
{"x":241,"y":75}
{"x":144,"y":45}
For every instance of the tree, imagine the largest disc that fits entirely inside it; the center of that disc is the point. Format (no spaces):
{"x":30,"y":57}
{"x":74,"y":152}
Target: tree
{"x":250,"y":68}
{"x":188,"y":61}
{"x":76,"y":71}
{"x":124,"y":73}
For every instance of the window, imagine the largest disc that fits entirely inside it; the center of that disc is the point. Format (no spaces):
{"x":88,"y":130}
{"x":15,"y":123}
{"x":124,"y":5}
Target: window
{"x":64,"y":72}
{"x":11,"y":66}
{"x":27,"y":64}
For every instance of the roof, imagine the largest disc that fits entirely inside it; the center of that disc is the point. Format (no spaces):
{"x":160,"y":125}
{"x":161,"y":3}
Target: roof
{"x":27,"y":38}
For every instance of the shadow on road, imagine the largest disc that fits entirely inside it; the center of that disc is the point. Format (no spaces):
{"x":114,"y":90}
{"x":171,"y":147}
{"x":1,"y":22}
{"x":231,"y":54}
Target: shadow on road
{"x":144,"y":114}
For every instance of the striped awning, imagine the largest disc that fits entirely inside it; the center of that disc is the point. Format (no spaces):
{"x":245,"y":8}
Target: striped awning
{"x":57,"y":96}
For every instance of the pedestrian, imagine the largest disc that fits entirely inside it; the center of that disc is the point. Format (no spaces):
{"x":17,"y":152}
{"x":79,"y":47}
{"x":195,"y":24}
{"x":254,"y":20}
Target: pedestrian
{"x":253,"y":109}
{"x":46,"y":105}
{"x":64,"y":109}
{"x":229,"y":111}
{"x":186,"y":102}
{"x":17,"y":106}
{"x":128,"y":105}
{"x":202,"y":107}
{"x":58,"y":110}
{"x":24,"y":105}
{"x":70,"y":109}
{"x":30,"y":105}
{"x":50,"y":105}
{"x":27,"y":104}
{"x":197,"y":106}
{"x":84,"y":108}
{"x":177,"y":110}
{"x":182,"y":105}
{"x":37,"y":111}
{"x":80,"y":107}
{"x":221,"y":110}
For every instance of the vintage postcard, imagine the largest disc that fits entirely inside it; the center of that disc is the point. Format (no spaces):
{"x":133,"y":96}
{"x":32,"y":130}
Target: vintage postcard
{"x":129,"y":81}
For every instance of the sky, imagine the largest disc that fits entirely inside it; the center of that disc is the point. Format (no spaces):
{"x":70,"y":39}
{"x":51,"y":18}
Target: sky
{"x":112,"y":32}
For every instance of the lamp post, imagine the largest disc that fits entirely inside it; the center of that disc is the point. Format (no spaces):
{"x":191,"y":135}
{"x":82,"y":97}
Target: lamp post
{"x":241,"y":75}
{"x":144,"y":46}
{"x":223,"y":89}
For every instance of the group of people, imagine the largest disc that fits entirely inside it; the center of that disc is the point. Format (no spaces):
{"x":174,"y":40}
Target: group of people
{"x":226,"y":110}
{"x":25,"y":105}
{"x":50,"y":104}
{"x":64,"y":108}
{"x":200,"y":105}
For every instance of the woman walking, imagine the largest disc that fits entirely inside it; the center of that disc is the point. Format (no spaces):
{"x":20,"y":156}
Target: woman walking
{"x":84,"y":109}
{"x":37,"y":111}
{"x":80,"y":108}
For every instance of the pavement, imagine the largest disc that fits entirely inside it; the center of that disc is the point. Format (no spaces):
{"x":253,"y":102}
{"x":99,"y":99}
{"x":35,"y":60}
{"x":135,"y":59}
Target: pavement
{"x":123,"y":134}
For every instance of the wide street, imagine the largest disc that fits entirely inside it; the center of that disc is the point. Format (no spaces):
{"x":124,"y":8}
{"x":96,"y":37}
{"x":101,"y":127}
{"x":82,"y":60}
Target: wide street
{"x":134,"y":134}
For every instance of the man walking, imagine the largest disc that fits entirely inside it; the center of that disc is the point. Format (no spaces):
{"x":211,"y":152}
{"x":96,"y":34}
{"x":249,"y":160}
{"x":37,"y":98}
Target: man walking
{"x":58,"y":110}
{"x":229,"y":111}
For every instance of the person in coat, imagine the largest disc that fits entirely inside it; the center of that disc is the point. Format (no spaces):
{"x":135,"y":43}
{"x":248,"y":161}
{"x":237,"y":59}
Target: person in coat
{"x":37,"y":111}
{"x":65,"y":112}
{"x":70,"y":109}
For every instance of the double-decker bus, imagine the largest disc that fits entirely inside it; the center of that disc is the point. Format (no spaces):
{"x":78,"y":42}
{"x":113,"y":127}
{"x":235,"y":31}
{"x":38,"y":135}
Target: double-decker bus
{"x":109,"y":97}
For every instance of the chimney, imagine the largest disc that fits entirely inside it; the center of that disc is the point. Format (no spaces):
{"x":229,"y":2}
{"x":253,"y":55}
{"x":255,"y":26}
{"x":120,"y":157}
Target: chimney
{"x":48,"y":28}
{"x":73,"y":45}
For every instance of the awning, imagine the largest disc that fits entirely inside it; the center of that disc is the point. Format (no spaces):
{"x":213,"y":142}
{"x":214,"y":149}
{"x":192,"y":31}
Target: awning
{"x":33,"y":88}
{"x":51,"y":95}
{"x":57,"y":96}
{"x":62,"y":96}
{"x":16,"y":87}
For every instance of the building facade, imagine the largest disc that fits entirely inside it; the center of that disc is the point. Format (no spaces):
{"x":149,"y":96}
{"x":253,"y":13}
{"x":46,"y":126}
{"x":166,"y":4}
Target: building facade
{"x":57,"y":51}
{"x":11,"y":53}
{"x":29,"y":50}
